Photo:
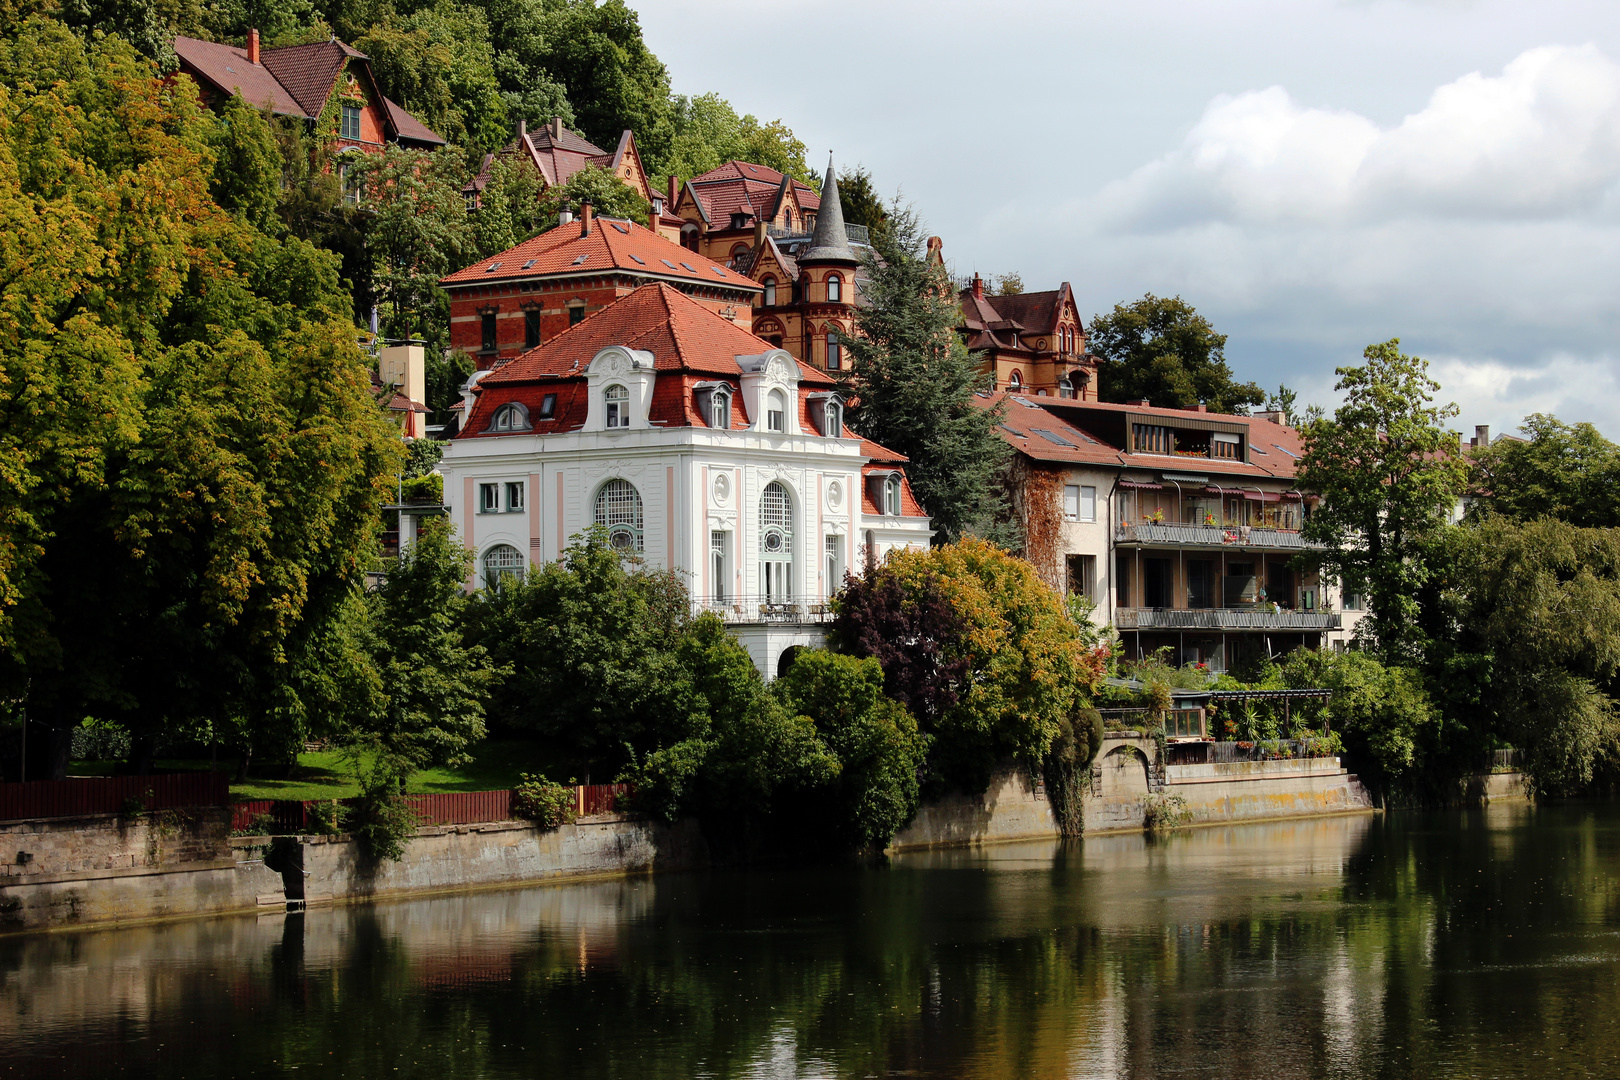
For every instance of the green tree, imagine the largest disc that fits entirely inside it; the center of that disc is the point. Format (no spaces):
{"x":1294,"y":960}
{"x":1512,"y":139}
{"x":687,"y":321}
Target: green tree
{"x":1563,"y":471}
{"x":511,"y":210}
{"x":607,"y":194}
{"x":435,"y":685}
{"x":858,"y":195}
{"x":1284,"y":401}
{"x":248,"y":165}
{"x":912,"y":384}
{"x":1388,"y":476}
{"x":438,"y":64}
{"x":1539,"y":601}
{"x":417,"y":232}
{"x":708,"y":133}
{"x":878,"y":746}
{"x":1161,"y":349}
{"x":1383,"y":714}
{"x":1014,"y":655}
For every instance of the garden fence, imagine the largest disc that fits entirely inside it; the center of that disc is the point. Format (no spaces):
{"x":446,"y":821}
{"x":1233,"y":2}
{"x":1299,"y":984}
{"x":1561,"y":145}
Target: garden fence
{"x":450,"y":808}
{"x":113,"y":794}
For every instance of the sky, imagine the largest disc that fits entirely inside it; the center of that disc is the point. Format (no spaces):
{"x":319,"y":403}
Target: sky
{"x":1313,"y":176}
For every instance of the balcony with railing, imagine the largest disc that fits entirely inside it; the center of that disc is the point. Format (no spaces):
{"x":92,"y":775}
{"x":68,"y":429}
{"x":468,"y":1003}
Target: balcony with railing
{"x":1259,"y":617}
{"x":856,"y":234}
{"x":766,"y":609}
{"x":1213,"y":536}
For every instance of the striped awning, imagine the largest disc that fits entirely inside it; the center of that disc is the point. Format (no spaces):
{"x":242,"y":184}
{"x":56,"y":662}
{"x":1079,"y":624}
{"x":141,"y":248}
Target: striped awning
{"x":1141,"y":485}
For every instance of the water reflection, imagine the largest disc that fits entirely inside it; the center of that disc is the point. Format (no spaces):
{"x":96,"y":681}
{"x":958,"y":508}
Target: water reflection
{"x":1479,"y":944}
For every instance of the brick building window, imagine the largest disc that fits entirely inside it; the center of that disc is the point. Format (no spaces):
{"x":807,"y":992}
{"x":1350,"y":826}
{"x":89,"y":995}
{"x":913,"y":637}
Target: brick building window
{"x":487,"y":319}
{"x":531,"y":328}
{"x":351,"y":122}
{"x":770,"y":291}
{"x":575,"y":314}
{"x":835,"y":289}
{"x":835,"y":353}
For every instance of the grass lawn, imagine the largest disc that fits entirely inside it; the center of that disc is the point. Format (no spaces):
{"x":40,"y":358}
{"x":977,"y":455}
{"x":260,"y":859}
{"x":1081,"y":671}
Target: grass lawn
{"x":495,"y":764}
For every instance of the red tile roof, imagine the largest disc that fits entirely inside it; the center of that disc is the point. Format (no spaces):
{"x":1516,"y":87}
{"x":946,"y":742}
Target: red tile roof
{"x":612,"y":245}
{"x":758,"y":174}
{"x":1029,"y":423}
{"x":293,"y":81}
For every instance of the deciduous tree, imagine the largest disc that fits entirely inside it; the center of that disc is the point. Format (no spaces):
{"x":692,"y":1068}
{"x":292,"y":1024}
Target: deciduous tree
{"x":1161,"y":349}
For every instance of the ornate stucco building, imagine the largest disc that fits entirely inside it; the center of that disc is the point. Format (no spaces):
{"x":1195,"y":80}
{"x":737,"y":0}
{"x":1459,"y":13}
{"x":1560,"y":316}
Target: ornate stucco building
{"x":699,"y":447}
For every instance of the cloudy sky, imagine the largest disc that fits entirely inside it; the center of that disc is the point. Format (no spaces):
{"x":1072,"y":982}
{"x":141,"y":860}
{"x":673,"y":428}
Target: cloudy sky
{"x":1312,"y":175}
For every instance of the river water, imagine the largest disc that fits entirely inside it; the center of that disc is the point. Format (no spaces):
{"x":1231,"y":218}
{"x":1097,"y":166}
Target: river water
{"x":1479,"y":944}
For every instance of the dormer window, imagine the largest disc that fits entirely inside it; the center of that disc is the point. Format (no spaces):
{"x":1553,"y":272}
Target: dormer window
{"x":512,"y":417}
{"x":548,"y":406}
{"x":832,"y":422}
{"x":891,"y":496}
{"x":835,"y":289}
{"x":720,"y":409}
{"x":770,"y":291}
{"x":618,"y":406}
{"x":776,"y":412}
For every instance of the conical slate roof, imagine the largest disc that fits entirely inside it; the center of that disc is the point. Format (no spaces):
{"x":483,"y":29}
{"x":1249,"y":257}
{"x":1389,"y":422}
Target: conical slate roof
{"x":830,"y":241}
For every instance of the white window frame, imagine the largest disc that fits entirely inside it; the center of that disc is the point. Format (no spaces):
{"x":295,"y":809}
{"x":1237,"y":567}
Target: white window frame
{"x":489,"y":498}
{"x":719,"y":565}
{"x":626,"y":533}
{"x":1088,"y":502}
{"x":776,"y":544}
{"x":770,"y":290}
{"x":617,"y":400}
{"x":513,"y":564}
{"x":776,"y":412}
{"x":835,"y":289}
{"x":891,"y":496}
{"x":514,"y":496}
{"x":1071,"y":502}
{"x":719,"y":409}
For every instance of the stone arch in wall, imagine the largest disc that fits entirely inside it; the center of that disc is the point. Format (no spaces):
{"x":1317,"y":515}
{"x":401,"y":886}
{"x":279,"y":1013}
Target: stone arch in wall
{"x":785,"y":661}
{"x":1124,"y":773}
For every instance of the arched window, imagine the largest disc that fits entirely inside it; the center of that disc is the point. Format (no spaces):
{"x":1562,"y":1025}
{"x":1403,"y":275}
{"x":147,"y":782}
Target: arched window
{"x":770,"y":291}
{"x":776,"y":412}
{"x":501,"y":562}
{"x":832,"y":420}
{"x":835,"y":353}
{"x":1014,"y":383}
{"x":835,"y":289}
{"x":891,"y":496}
{"x":512,"y":417}
{"x":720,"y":409}
{"x":776,"y":543}
{"x":739,"y":254}
{"x":618,"y":510}
{"x":618,"y":406}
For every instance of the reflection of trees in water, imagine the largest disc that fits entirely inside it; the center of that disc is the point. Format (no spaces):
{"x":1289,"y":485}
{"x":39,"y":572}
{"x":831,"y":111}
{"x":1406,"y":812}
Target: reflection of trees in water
{"x":1357,"y":948}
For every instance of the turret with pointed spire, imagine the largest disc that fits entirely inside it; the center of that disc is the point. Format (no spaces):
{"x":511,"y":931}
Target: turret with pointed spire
{"x":830,"y":241}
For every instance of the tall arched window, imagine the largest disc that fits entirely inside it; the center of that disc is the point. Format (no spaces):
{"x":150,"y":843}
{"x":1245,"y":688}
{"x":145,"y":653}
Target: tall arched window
{"x":891,"y":496}
{"x":719,"y":409}
{"x":1014,"y":383}
{"x":618,"y":406}
{"x":835,"y":353}
{"x":835,"y":289}
{"x":770,"y":291}
{"x":618,"y":510}
{"x":776,"y":543}
{"x":776,"y":412}
{"x":501,"y":562}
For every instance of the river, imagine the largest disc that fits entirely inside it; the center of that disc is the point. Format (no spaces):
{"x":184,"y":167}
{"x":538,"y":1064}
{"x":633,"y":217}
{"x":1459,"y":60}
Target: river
{"x":1468,"y":944}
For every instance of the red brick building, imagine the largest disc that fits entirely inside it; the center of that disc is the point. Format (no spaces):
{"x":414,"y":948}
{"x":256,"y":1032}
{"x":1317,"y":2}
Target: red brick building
{"x":1033,"y":343}
{"x":302,"y":81}
{"x":529,"y":294}
{"x":557,"y":154}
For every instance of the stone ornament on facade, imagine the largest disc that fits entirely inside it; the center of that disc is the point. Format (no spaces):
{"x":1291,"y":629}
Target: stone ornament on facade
{"x":722,"y":489}
{"x":835,"y":495}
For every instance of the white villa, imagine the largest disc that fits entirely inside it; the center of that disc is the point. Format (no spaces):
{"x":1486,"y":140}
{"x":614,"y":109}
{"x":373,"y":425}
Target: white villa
{"x":698,"y":446}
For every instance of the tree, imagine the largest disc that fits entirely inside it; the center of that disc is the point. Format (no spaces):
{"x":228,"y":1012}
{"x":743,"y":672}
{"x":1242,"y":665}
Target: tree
{"x":1383,"y":714}
{"x":434,"y":684}
{"x":1563,"y":471}
{"x":1539,"y":601}
{"x":1163,"y":350}
{"x":1009,"y":284}
{"x":858,"y":195}
{"x":437,"y":63}
{"x":876,"y":742}
{"x":1015,"y":659}
{"x":417,"y":232}
{"x":912,"y":384}
{"x":1283,"y":401}
{"x":510,"y":211}
{"x":608,"y":195}
{"x":708,"y":133}
{"x":908,"y":629}
{"x":247,"y":165}
{"x":1387,"y":472}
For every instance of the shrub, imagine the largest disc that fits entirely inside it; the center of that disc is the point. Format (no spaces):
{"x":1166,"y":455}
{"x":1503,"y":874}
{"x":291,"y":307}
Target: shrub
{"x":1067,"y":769}
{"x":325,"y":818}
{"x":1162,"y":812}
{"x":548,"y":804}
{"x":263,"y":825}
{"x":382,"y":821}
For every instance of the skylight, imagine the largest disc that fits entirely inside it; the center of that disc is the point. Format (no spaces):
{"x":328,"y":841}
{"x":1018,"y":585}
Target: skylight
{"x":1012,"y":431}
{"x":639,"y":260}
{"x":493,"y":267}
{"x":528,"y":264}
{"x":582,"y":258}
{"x":667,"y":263}
{"x":1287,"y":451}
{"x":621,"y":228}
{"x":717,"y":271}
{"x":1050,"y":436}
{"x":689,"y":268}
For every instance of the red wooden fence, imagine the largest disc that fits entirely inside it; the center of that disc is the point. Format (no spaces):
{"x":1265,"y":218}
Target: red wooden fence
{"x":109,"y":794}
{"x":451,"y":808}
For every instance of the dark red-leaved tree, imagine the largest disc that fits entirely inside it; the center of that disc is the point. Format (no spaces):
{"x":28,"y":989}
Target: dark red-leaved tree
{"x":911,"y":633}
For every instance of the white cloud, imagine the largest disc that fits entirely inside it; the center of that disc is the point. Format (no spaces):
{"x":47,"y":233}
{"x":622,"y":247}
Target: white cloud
{"x":1539,"y":141}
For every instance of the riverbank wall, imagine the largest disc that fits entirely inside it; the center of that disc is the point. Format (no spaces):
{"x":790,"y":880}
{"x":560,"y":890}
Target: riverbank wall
{"x":106,"y":869}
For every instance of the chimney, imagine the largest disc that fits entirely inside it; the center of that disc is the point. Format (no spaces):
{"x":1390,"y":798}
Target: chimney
{"x":585,"y":219}
{"x":1482,"y":435}
{"x":759,"y":234}
{"x":1200,"y":407}
{"x":564,"y":216}
{"x":674,"y":192}
{"x":978,"y":286}
{"x":556,"y":127}
{"x":522,"y":130}
{"x":253,"y":46}
{"x":1143,"y":403}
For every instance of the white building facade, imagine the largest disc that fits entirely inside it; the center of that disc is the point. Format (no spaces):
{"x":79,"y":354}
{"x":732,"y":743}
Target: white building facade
{"x":698,"y":447}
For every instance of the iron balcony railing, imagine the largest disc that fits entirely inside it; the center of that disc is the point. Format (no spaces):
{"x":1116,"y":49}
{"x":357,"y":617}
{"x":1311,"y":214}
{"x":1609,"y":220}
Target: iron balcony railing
{"x":1242,"y":536}
{"x":856,"y":234}
{"x":766,"y":609}
{"x":1226,"y":753}
{"x":1223,"y":619}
